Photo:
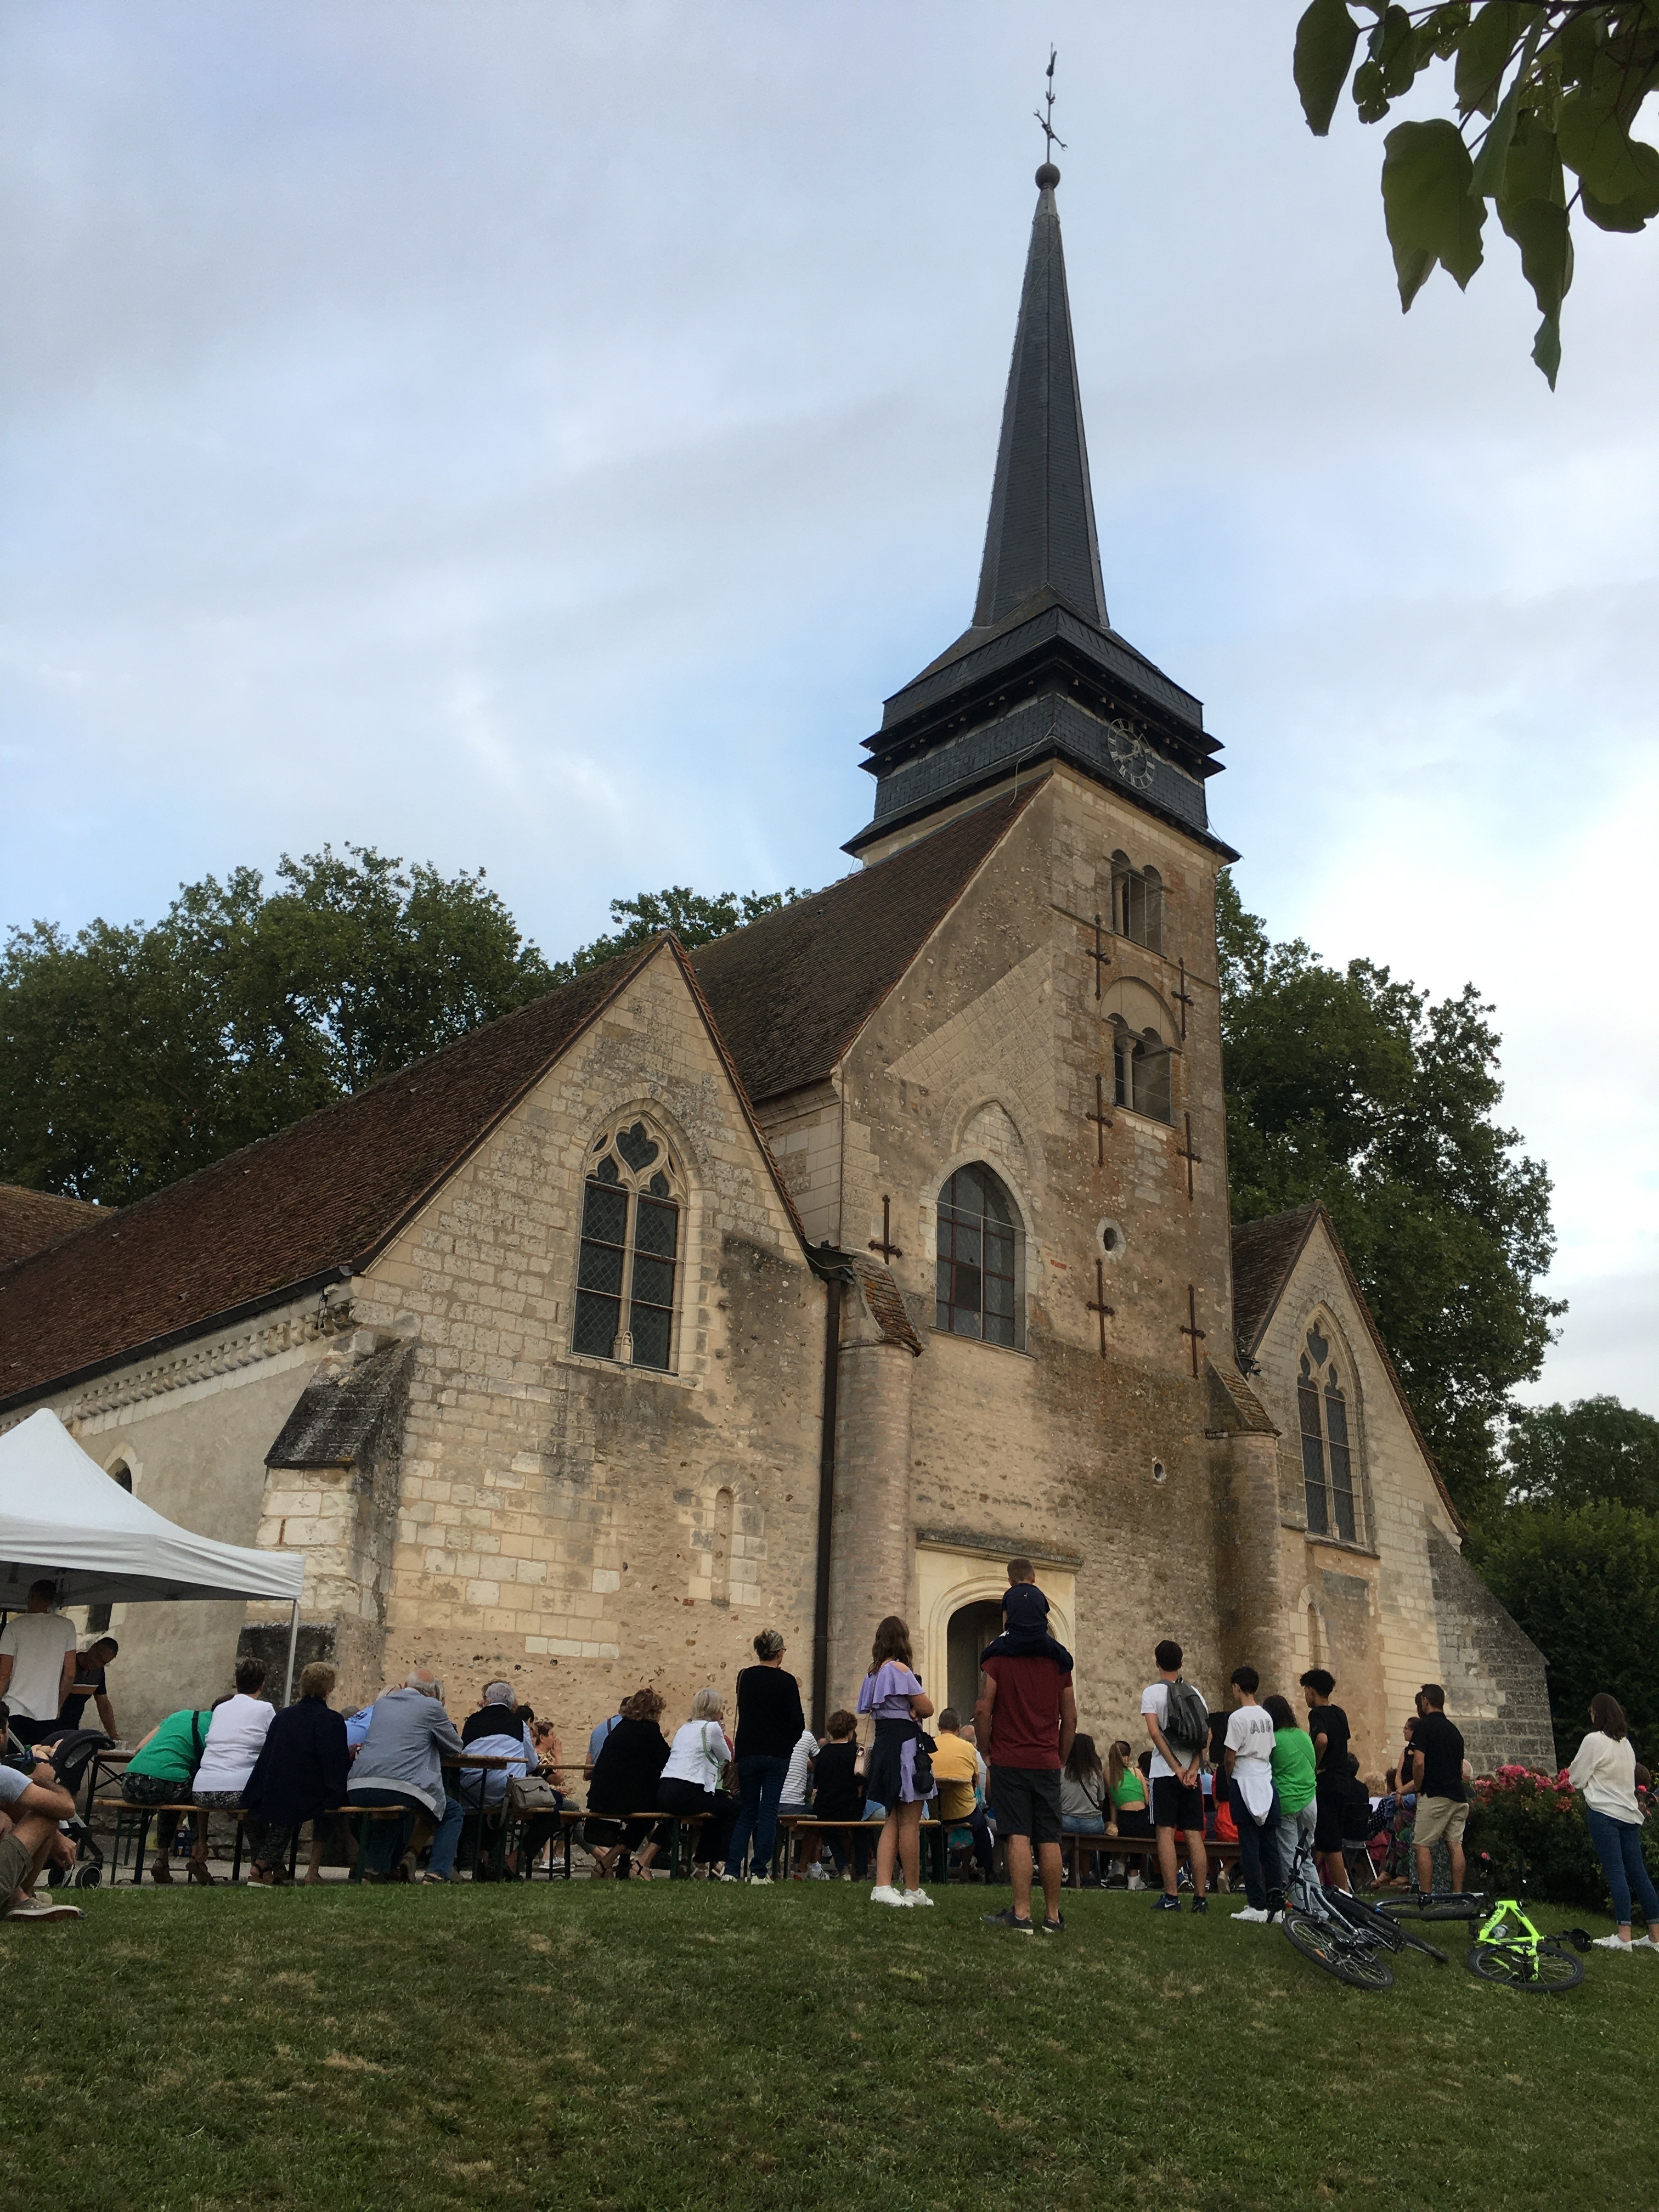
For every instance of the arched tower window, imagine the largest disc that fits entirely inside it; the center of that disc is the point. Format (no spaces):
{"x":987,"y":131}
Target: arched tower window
{"x":625,"y":1278}
{"x":1328,"y":1468}
{"x":977,"y":1283}
{"x":1136,"y":902}
{"x":1141,"y":1070}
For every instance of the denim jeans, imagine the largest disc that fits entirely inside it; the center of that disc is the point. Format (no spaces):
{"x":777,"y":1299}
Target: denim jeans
{"x":760,"y":1777}
{"x":1618,"y":1846}
{"x":1258,"y":1847}
{"x":385,"y":1844}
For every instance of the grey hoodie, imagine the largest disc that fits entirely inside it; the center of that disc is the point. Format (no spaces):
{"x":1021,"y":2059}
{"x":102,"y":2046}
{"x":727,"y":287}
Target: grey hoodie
{"x":407,"y":1737}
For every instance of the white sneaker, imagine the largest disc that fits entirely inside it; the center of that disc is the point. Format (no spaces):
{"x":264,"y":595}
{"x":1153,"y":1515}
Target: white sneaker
{"x":1614,"y":1943}
{"x":816,"y":1873}
{"x":45,"y":1909}
{"x":1644,"y":1943}
{"x":888,"y":1895}
{"x":1250,"y":1913}
{"x":917,"y":1897}
{"x":1135,"y":1882}
{"x":760,"y":1878}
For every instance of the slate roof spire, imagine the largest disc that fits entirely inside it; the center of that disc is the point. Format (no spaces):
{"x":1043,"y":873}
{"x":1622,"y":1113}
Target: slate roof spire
{"x":1041,"y":535}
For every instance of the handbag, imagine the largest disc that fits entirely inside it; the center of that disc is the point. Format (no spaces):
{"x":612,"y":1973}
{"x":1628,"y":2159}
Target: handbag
{"x":528,"y":1793}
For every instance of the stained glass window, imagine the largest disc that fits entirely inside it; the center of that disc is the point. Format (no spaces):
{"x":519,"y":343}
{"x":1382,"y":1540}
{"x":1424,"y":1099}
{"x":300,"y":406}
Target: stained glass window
{"x":625,"y":1274}
{"x":1328,"y":1467}
{"x":977,"y":1284}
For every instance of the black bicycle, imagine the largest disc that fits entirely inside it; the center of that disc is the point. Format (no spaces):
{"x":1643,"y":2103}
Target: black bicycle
{"x":1344,"y":1934}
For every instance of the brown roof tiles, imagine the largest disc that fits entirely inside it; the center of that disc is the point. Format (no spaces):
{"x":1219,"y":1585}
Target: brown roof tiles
{"x":33,"y":1220}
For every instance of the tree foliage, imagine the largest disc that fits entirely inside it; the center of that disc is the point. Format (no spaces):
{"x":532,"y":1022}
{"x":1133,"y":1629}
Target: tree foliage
{"x":694,"y":918}
{"x":131,"y":1055}
{"x":1349,"y":1086}
{"x":1584,"y":1585}
{"x":1593,"y":1452}
{"x":1542,"y":90}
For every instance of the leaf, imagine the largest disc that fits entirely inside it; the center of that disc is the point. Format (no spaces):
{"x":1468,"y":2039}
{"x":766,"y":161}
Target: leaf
{"x":1532,"y":171}
{"x":1540,"y":229}
{"x":1493,"y":159}
{"x":1425,"y":201}
{"x":1325,"y":40}
{"x":1393,"y":48}
{"x":1369,"y":95}
{"x":1483,"y":55}
{"x":1595,"y":144}
{"x":1632,"y":212}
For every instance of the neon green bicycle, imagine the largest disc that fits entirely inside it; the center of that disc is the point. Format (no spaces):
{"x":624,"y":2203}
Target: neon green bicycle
{"x":1509,"y":1950}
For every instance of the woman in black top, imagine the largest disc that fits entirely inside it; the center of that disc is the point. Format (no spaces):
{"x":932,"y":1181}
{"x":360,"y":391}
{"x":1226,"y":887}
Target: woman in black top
{"x":771,"y":1723}
{"x":1327,"y":1724}
{"x":624,"y":1780}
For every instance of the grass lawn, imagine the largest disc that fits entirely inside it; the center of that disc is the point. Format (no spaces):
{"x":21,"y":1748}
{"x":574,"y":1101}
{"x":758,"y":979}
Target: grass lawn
{"x":613,"y":2047}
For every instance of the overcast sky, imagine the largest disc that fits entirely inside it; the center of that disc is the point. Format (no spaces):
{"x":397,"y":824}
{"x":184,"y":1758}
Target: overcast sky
{"x":539,"y":435}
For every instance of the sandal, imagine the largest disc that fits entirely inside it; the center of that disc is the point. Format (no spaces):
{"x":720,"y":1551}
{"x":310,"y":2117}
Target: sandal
{"x":198,"y":1871}
{"x":162,"y":1867}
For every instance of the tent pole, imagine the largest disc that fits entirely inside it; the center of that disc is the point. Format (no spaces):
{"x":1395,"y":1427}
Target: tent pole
{"x":292,"y":1640}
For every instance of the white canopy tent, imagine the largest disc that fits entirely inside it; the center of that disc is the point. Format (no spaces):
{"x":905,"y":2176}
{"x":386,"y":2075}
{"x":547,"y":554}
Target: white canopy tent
{"x":62,"y":1516}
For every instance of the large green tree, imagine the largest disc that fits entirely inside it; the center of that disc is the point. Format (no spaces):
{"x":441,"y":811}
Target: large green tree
{"x":1346,"y":1085}
{"x":1584,"y":1585}
{"x":1593,"y":1452}
{"x":131,"y":1055}
{"x":1545,"y":95}
{"x":693,"y":917}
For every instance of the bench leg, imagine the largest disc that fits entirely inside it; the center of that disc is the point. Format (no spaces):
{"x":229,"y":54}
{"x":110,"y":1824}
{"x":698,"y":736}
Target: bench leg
{"x":143,"y":1839}
{"x":236,"y":1853}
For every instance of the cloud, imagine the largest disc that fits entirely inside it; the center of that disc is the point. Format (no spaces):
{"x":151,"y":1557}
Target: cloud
{"x":542,"y":436}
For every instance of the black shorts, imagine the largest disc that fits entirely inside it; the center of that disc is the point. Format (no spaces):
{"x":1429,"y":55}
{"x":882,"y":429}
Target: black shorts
{"x":1177,"y":1804}
{"x":1327,"y":1818}
{"x":1025,"y":1802}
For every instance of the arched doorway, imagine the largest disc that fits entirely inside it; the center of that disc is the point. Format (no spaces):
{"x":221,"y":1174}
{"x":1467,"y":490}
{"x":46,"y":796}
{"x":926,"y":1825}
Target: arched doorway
{"x":972,"y":1627}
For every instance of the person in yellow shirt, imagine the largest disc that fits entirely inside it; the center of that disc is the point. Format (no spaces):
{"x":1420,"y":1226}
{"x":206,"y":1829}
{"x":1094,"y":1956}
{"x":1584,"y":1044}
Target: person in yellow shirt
{"x":956,"y":1771}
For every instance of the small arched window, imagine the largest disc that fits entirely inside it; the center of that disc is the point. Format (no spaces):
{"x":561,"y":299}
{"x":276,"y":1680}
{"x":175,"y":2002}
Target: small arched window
{"x":1136,"y":902}
{"x":1141,"y":1070}
{"x":1328,"y":1470}
{"x":625,"y":1278}
{"x":977,"y":1283}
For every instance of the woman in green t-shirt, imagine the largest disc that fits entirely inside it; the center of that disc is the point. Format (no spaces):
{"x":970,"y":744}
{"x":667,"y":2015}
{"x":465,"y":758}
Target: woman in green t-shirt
{"x":1130,"y":1814}
{"x":161,"y":1772}
{"x":1294,"y":1763}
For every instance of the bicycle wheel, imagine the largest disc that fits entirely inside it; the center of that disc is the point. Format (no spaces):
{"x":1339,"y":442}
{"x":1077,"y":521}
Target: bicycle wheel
{"x":1547,"y":1971}
{"x":1346,"y":1956}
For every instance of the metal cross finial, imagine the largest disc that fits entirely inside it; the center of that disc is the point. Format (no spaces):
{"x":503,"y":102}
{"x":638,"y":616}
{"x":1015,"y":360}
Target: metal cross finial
{"x":1048,"y":120}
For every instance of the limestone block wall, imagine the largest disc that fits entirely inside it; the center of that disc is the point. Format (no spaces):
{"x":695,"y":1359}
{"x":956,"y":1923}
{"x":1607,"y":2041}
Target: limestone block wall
{"x":578,"y":1527}
{"x":872,"y":1571}
{"x":192,"y":1426}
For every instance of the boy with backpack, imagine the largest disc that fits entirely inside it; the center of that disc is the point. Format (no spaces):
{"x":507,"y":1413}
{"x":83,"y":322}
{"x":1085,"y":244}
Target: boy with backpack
{"x":1178,"y":1721}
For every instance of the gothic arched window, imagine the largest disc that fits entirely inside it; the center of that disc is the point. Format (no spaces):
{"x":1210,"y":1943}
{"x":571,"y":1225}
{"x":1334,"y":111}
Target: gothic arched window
{"x":625,"y":1277}
{"x":977,"y":1283}
{"x":1141,"y":1070}
{"x":1136,"y":902}
{"x":1327,"y":1469}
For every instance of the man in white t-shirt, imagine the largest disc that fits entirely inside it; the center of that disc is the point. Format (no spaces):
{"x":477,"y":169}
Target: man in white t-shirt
{"x":37,"y":1663}
{"x":1250,"y":1788}
{"x":1177,"y":1762}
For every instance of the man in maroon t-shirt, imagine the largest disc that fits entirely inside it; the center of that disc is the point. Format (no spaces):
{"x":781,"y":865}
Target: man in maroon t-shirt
{"x":1024,"y":1723}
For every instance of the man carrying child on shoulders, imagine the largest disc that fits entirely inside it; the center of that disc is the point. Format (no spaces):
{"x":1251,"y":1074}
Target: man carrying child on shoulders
{"x":1025,"y":1720}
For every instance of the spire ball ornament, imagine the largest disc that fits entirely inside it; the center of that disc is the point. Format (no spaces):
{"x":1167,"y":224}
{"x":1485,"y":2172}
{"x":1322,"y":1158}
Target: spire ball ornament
{"x":1047,"y":177}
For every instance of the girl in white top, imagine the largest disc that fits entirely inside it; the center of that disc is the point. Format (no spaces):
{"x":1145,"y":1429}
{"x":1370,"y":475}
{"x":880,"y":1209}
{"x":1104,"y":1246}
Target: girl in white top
{"x":235,"y":1737}
{"x":1604,"y":1768}
{"x":697,"y":1759}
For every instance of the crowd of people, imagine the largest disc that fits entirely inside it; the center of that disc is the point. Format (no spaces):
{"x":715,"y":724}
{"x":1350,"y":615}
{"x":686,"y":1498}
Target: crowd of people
{"x":1280,"y":1789}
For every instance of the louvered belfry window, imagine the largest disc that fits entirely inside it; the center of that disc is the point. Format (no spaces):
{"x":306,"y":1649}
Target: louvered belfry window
{"x":1326,"y":1453}
{"x":1140,"y":1072}
{"x":977,"y":1286}
{"x":625,"y":1277}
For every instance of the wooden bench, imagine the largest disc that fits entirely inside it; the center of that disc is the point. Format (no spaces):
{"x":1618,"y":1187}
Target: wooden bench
{"x":686,"y":1825}
{"x":791,"y":1825}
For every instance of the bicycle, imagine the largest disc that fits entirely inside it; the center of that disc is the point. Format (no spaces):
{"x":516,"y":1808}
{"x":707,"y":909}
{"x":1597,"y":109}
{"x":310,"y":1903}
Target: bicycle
{"x":1508,"y":1949}
{"x":1344,"y":1934}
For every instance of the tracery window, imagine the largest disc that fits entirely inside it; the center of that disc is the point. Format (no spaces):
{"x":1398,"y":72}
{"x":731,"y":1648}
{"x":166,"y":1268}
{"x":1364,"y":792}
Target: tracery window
{"x":1141,"y":1070}
{"x":625,"y":1275}
{"x":1136,"y":902}
{"x":977,"y":1284}
{"x":1326,"y":1451}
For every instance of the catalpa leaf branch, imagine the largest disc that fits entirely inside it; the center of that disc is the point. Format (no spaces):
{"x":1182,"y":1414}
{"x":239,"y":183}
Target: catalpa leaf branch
{"x":1542,"y":90}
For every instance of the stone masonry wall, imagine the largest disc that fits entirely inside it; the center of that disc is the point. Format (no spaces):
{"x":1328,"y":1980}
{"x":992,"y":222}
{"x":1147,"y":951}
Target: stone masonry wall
{"x":578,"y":1527}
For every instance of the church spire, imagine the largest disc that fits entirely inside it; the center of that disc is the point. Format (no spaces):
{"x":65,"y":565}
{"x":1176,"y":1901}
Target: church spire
{"x":1041,"y":532}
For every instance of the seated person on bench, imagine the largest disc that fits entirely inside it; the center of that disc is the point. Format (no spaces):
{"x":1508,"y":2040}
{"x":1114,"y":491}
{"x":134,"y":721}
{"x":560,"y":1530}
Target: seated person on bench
{"x":31,"y":1806}
{"x":400,"y":1765}
{"x":161,"y":1772}
{"x":300,"y":1774}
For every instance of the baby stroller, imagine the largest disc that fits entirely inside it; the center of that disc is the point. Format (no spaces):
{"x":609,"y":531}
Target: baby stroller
{"x":70,"y":1755}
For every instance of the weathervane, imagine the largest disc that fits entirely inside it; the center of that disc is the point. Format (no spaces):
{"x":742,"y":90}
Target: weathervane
{"x":1048,"y":120}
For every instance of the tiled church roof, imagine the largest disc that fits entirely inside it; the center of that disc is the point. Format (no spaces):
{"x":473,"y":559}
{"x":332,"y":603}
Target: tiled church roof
{"x":313,"y":1201}
{"x":33,"y":1220}
{"x":786,"y":995}
{"x":792,"y":991}
{"x":1264,"y":1253}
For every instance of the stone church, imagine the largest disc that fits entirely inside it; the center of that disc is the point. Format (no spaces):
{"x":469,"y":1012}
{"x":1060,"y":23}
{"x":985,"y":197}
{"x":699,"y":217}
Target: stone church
{"x":804,"y":1277}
